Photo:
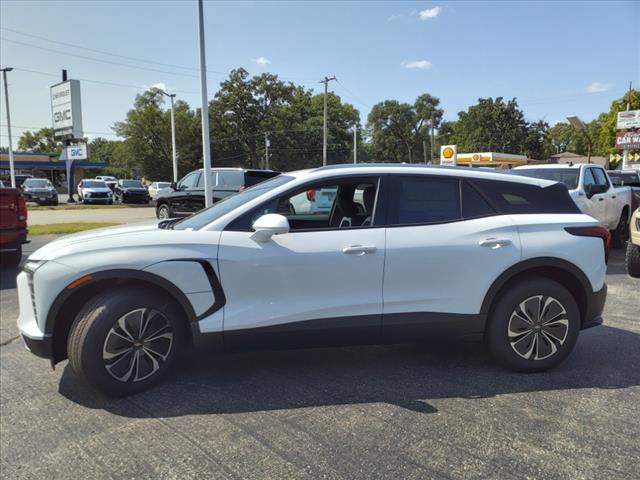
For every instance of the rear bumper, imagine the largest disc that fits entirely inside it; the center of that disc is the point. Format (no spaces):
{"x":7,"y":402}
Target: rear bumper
{"x":595,"y":307}
{"x":10,"y":238}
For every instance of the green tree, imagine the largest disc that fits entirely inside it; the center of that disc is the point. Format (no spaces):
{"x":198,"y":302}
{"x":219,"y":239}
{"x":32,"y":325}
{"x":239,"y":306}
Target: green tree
{"x":39,"y":141}
{"x":399,"y":131}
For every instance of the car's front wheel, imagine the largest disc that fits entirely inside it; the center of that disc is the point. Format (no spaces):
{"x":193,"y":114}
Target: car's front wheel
{"x":534,"y":325}
{"x":620,"y":235}
{"x":125,"y":340}
{"x":163,"y":212}
{"x":632,"y":260}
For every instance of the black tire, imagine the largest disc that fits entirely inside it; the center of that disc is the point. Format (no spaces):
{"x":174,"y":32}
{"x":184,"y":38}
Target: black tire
{"x":96,"y":333}
{"x":632,"y":260}
{"x":163,"y":212}
{"x":12,"y":259}
{"x":620,"y":235}
{"x":500,"y":340}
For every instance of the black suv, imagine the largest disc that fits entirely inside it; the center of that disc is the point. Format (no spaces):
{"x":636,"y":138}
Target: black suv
{"x":187,"y":196}
{"x":131,"y":191}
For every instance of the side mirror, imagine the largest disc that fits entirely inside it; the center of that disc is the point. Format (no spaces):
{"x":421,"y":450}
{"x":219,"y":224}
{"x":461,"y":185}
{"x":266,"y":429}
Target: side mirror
{"x":268,"y":225}
{"x":173,"y":186}
{"x":591,"y":190}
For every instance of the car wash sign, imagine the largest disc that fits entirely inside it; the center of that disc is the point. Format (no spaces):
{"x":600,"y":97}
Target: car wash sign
{"x":66,"y":110}
{"x":628,"y":140}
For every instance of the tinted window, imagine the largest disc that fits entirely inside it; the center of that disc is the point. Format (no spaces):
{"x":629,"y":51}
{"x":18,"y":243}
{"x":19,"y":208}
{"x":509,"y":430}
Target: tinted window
{"x":568,"y":176}
{"x":630,"y":179}
{"x":189,"y":181}
{"x":513,"y":198}
{"x":131,"y":184}
{"x":588,"y":178}
{"x":419,"y":200}
{"x":251,"y":177}
{"x":601,"y":178}
{"x":473,"y":205}
{"x":230,"y":179}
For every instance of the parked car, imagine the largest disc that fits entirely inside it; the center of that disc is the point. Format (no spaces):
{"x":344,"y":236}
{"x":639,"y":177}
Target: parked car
{"x":155,"y":187}
{"x":592,"y":190}
{"x":315,"y":201}
{"x":94,"y":191}
{"x":131,"y":191}
{"x":109,"y":180}
{"x":632,"y":258}
{"x":187,"y":196}
{"x":437,"y":251}
{"x":628,"y":178}
{"x":40,"y":190}
{"x":13,"y":226}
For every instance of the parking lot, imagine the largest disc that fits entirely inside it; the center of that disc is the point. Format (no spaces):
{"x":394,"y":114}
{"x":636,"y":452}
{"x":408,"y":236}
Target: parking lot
{"x":416,"y":411}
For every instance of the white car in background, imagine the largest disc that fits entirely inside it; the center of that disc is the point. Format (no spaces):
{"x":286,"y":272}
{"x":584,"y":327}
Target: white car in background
{"x":591,"y":188}
{"x":94,"y":191}
{"x":435,"y":251}
{"x":156,"y":187}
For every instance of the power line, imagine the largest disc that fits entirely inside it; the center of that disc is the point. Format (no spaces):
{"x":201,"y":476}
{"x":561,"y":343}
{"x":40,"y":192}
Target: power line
{"x":100,"y":60}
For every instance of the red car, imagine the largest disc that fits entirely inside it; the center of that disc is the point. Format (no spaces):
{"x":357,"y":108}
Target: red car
{"x":13,"y":226}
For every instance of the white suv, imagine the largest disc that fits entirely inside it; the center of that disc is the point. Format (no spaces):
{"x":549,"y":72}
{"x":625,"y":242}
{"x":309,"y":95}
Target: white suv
{"x":430,"y":251}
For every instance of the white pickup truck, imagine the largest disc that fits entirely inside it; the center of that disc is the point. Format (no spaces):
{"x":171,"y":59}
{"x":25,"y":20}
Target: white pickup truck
{"x":592,"y":190}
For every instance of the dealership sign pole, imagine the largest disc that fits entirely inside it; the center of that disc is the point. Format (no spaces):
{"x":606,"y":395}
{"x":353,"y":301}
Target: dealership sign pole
{"x":66,"y":112}
{"x":12,"y":171}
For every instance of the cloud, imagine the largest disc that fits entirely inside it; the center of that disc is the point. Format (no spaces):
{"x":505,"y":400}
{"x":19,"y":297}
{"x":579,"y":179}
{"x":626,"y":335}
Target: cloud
{"x":160,"y":85}
{"x":261,"y":60}
{"x":417,"y":64}
{"x":393,"y":17}
{"x":597,"y":87}
{"x":428,"y":13}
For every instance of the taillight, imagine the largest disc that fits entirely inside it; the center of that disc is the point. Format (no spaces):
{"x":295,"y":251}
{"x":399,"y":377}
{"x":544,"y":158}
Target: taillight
{"x":311,"y":195}
{"x":22,"y":209}
{"x":594,"y":231}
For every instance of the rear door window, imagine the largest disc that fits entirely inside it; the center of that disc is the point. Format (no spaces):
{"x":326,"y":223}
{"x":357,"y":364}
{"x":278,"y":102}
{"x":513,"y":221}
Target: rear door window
{"x":424,"y":200}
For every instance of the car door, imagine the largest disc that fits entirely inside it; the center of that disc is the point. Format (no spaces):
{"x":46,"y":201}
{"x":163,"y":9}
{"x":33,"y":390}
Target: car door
{"x":180,"y":198}
{"x":593,"y":204}
{"x":610,"y":205}
{"x":314,"y":285}
{"x":441,"y":258}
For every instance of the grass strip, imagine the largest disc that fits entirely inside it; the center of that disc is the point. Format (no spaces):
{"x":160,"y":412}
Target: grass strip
{"x":65,"y":228}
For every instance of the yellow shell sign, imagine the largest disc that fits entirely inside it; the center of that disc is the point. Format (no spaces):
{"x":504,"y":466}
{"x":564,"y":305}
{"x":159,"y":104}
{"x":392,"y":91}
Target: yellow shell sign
{"x":448,"y":155}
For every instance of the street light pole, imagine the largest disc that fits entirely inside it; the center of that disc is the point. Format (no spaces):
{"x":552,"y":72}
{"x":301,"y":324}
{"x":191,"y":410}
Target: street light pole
{"x":355,"y":143}
{"x":206,"y":145}
{"x":173,"y":137}
{"x":12,"y":171}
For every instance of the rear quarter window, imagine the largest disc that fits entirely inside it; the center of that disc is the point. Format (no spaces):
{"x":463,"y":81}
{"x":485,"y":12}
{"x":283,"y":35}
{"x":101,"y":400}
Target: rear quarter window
{"x":514,"y":198}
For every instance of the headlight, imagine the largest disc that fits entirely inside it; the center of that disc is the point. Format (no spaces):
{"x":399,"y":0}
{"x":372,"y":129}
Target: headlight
{"x":32,"y":265}
{"x":638,"y":224}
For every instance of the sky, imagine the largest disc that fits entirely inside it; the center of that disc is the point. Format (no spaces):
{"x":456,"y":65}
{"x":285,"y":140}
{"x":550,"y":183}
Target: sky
{"x":556,"y":58}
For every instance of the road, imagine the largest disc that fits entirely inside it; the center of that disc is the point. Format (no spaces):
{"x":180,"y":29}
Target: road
{"x":430,"y":411}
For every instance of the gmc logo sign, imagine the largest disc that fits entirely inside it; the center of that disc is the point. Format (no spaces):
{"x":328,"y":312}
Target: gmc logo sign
{"x":62,"y":116}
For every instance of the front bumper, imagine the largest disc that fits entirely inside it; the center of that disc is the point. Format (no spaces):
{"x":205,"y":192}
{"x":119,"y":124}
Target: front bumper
{"x":595,"y":307}
{"x":41,"y":347}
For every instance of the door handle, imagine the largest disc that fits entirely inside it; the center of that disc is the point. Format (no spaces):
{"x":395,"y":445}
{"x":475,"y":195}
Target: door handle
{"x":601,"y":199}
{"x":359,"y":249}
{"x":494,"y":243}
{"x":613,"y":196}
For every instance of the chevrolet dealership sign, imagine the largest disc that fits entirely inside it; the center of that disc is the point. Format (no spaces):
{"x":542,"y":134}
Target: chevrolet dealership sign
{"x":66,"y":110}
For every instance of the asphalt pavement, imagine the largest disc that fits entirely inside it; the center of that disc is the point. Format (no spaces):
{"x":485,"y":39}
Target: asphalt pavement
{"x":430,"y":411}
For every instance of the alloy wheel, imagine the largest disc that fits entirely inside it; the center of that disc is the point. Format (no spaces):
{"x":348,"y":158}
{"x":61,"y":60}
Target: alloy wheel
{"x":538,"y":327}
{"x":137,"y":345}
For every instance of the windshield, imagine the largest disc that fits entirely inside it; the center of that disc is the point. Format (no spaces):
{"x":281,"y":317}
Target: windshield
{"x":217,"y":210}
{"x":94,"y":184}
{"x":568,"y":176}
{"x":107,"y":179}
{"x":132,"y":183}
{"x":37,"y":183}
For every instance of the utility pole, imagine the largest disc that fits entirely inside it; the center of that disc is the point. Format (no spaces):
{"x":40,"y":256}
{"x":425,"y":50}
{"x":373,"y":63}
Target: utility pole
{"x":173,"y":137}
{"x":12,"y":171}
{"x":625,"y":152}
{"x":355,"y":143}
{"x":206,"y":142}
{"x":324,"y":129}
{"x":432,"y":138}
{"x":267,"y":144}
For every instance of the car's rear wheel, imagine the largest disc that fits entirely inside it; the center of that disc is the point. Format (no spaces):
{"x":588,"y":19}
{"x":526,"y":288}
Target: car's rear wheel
{"x":620,"y":235}
{"x":534,"y":325}
{"x":163,"y":212}
{"x":125,"y":340}
{"x":632,"y":260}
